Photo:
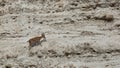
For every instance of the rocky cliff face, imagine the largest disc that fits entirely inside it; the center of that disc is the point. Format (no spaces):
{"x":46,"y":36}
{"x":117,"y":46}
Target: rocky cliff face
{"x":79,"y":33}
{"x":52,"y":6}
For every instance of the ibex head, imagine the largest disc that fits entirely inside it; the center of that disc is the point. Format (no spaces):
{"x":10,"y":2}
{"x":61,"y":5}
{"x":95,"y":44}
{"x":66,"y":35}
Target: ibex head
{"x":43,"y":36}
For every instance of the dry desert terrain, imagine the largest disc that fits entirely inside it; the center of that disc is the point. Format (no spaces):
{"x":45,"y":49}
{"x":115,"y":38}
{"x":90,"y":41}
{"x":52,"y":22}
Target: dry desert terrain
{"x":79,"y":33}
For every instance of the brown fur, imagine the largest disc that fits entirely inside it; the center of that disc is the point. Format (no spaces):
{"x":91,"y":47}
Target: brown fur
{"x":35,"y":40}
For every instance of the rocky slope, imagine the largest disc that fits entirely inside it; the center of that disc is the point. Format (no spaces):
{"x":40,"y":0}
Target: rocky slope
{"x":79,"y":33}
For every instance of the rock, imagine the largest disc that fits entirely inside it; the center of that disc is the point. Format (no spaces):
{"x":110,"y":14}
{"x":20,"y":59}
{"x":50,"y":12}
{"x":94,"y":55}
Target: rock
{"x":105,"y":17}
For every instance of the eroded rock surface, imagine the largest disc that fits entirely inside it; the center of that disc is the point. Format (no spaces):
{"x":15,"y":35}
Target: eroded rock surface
{"x":79,"y":33}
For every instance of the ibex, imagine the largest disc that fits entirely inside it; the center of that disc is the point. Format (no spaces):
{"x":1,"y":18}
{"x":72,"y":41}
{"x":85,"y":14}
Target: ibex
{"x":36,"y":40}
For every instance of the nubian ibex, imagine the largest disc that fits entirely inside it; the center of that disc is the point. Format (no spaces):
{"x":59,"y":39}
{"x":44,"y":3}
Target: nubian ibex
{"x":36,"y":40}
